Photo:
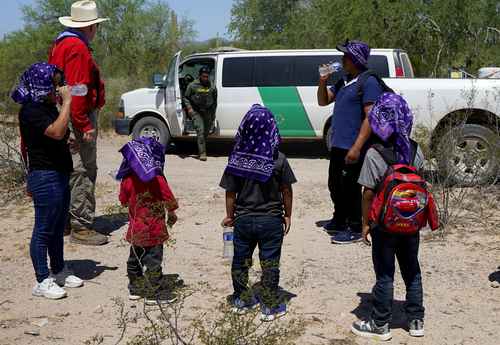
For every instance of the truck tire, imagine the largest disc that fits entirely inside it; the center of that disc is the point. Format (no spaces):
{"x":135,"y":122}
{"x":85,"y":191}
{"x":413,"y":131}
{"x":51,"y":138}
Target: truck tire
{"x":150,"y":126}
{"x":469,"y":155}
{"x":327,"y":138}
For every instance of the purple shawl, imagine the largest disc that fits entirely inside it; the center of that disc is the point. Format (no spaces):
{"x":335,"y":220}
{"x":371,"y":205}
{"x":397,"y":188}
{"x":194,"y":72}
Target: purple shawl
{"x":358,"y":52}
{"x":256,"y":145}
{"x":35,"y":84}
{"x":143,"y":156}
{"x":391,"y":119}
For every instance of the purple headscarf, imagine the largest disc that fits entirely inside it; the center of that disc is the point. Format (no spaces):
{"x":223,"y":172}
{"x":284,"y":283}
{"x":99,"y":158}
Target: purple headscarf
{"x":358,"y":52}
{"x":391,"y":117}
{"x":35,"y":83}
{"x":143,"y":156}
{"x":256,"y":146}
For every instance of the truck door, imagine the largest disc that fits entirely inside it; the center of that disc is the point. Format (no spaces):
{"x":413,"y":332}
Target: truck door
{"x":173,"y":100}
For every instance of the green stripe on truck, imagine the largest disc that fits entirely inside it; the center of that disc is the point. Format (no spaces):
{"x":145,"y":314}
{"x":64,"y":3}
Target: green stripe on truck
{"x":287,"y":107}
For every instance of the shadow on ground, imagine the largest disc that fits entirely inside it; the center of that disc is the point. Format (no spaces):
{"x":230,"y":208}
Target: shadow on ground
{"x":495,"y":276}
{"x":364,"y":309}
{"x":221,"y":148}
{"x":88,"y":269}
{"x":108,"y":223}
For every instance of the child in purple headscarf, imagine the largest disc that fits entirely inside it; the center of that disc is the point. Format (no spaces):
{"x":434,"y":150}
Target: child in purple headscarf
{"x":145,"y":190}
{"x":258,"y":182}
{"x":391,"y":121}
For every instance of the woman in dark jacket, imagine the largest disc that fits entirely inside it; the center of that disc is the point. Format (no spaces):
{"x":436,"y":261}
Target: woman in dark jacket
{"x":45,"y":134}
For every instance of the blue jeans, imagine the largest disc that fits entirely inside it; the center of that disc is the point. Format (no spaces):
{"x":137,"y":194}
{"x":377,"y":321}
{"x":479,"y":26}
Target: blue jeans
{"x":385,"y":248}
{"x":267,"y":232}
{"x":51,"y":197}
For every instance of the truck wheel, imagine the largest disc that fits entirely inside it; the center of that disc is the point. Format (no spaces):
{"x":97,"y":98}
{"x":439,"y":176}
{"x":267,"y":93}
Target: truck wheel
{"x":469,"y":155}
{"x":152,"y":127}
{"x":327,"y":138}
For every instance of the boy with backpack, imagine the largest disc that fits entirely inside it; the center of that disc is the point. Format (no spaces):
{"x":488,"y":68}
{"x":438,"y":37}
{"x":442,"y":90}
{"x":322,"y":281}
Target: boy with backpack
{"x":396,"y":205}
{"x":258,"y":182}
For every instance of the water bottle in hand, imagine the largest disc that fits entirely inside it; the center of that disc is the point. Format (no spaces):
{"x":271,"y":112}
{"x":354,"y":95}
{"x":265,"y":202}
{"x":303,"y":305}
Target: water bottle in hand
{"x":227,"y":237}
{"x":329,"y":68}
{"x":79,"y":90}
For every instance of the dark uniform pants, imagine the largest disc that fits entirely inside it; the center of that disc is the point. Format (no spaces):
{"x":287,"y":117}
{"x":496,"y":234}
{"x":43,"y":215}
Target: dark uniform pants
{"x":203,"y":122}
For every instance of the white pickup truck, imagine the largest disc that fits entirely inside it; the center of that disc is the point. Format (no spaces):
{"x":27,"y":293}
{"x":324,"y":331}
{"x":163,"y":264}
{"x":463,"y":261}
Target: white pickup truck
{"x":461,"y":116}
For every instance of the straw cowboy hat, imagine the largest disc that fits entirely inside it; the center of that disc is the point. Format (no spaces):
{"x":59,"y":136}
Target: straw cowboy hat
{"x":83,"y":13}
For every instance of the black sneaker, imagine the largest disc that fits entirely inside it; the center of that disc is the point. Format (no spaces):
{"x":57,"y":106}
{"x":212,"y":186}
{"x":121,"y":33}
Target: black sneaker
{"x":162,"y":297}
{"x":369,"y":329}
{"x":416,"y":328}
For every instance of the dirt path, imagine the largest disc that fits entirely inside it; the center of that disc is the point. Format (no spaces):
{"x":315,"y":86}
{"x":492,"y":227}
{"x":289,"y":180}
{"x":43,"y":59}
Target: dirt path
{"x":332,"y":283}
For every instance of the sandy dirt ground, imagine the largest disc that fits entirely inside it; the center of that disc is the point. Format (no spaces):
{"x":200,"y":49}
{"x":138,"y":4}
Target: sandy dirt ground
{"x":332,"y":283}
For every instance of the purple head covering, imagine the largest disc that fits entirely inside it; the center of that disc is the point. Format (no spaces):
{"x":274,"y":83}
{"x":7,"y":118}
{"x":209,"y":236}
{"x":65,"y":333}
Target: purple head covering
{"x":143,"y":156}
{"x":358,"y":52}
{"x":391,"y":117}
{"x":35,"y":83}
{"x":256,"y":145}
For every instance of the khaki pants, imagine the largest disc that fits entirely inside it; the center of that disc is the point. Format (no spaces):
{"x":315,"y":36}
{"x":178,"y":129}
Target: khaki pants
{"x":83,"y":178}
{"x":203,"y":123}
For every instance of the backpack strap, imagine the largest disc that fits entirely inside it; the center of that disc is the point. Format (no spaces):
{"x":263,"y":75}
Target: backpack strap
{"x":413,"y":151}
{"x":388,"y":153}
{"x":363,"y":77}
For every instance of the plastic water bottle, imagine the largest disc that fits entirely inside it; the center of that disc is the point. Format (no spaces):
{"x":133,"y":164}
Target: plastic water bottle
{"x":112,"y":174}
{"x":227,"y":237}
{"x":79,"y":90}
{"x":329,"y":68}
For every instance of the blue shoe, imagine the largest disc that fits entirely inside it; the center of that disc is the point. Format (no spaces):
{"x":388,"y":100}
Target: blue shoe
{"x":240,"y":307}
{"x":331,"y":227}
{"x":271,"y":314}
{"x":346,"y":237}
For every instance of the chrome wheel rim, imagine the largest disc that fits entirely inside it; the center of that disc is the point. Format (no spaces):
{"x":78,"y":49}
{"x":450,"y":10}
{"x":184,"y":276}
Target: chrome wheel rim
{"x":471,"y":159}
{"x":150,"y":132}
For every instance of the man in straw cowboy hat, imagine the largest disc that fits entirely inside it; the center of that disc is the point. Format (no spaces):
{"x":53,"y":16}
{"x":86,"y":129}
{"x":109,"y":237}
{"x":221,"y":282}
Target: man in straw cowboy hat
{"x":72,"y":54}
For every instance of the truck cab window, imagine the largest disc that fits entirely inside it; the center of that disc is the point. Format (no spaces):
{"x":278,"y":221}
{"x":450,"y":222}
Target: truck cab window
{"x":189,"y":70}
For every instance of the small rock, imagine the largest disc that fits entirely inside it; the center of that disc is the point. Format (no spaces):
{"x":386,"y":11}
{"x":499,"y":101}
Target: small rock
{"x":98,"y":310}
{"x":41,"y":323}
{"x":62,"y":314}
{"x":32,"y":332}
{"x":317,"y":319}
{"x":495,"y":284}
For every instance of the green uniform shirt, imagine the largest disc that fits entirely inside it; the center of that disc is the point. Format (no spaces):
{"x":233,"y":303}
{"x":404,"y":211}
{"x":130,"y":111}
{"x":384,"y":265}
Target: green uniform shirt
{"x":200,"y":98}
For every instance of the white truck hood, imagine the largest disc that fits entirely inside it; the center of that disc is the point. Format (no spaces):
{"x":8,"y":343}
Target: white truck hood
{"x":144,"y":100}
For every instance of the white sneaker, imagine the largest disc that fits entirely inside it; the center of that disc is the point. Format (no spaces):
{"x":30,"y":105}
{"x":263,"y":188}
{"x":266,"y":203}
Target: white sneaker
{"x":133,"y":297}
{"x":67,"y":279}
{"x":48,"y":289}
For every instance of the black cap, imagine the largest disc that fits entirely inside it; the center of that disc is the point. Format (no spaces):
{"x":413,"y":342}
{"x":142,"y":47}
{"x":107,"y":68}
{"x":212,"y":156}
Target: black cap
{"x":204,"y":70}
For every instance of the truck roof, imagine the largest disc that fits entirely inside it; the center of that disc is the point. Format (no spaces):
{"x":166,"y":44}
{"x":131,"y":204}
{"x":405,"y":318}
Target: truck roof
{"x":237,"y":51}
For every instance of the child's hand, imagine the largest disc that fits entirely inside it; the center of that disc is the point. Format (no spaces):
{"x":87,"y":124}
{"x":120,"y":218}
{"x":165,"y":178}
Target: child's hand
{"x":172,"y":218}
{"x":287,"y":224}
{"x":228,"y":222}
{"x":366,"y":232}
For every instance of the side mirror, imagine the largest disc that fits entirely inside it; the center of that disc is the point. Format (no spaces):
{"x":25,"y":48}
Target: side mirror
{"x":159,"y":80}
